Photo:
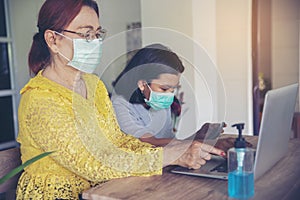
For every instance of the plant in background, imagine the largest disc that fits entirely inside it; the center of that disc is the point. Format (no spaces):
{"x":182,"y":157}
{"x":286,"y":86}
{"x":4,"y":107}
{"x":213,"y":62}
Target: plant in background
{"x":263,"y":84}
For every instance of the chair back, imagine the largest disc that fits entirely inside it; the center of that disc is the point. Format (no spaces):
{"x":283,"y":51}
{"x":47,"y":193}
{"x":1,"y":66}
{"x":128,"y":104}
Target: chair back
{"x":9,"y":159}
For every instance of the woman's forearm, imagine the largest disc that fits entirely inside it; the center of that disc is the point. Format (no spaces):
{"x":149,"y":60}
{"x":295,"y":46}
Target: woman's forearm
{"x":156,"y":141}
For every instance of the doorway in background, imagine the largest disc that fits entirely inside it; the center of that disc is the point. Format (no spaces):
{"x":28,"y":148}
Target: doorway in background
{"x":261,"y":56}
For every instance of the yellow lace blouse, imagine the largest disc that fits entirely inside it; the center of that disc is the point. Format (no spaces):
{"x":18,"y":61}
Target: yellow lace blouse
{"x":88,"y":145}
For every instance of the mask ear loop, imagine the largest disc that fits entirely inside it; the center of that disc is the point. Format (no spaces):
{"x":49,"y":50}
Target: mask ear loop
{"x":148,"y":86}
{"x":150,"y":94}
{"x":143,"y":91}
{"x":62,"y":55}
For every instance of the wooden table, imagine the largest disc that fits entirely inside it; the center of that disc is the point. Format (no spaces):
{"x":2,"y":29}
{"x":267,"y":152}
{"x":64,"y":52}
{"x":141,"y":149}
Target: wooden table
{"x":282,"y":182}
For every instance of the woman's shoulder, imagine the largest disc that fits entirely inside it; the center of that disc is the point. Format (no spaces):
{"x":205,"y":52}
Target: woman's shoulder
{"x":41,"y":86}
{"x":37,"y":97}
{"x":34,"y":83}
{"x":95,"y":80}
{"x":95,"y":85}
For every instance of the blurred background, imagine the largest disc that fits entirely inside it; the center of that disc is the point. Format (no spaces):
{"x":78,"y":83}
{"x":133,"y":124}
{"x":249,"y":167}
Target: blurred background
{"x":234,"y":52}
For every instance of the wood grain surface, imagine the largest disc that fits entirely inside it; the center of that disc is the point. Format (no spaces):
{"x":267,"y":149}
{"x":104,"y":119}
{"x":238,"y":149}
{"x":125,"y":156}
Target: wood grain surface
{"x":281,"y":182}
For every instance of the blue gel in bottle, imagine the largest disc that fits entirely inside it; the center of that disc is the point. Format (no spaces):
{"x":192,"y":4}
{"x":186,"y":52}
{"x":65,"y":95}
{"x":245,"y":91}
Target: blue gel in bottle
{"x":240,"y":185}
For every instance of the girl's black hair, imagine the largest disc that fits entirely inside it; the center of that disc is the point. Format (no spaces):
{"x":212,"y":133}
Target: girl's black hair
{"x":147,"y":64}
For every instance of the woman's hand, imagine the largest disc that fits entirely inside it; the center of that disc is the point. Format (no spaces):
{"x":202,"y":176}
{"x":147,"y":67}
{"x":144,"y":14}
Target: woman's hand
{"x":189,"y":154}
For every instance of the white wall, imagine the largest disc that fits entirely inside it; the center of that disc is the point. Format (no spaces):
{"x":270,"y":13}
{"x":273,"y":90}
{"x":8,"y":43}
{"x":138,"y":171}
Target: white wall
{"x":114,"y":16}
{"x":221,"y":29}
{"x":170,"y":22}
{"x":234,"y":59}
{"x":23,"y":19}
{"x":285,"y":42}
{"x":205,"y":57}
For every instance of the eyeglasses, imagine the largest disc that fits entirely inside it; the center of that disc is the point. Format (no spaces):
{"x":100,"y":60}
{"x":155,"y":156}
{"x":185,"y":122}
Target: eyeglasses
{"x":90,"y":34}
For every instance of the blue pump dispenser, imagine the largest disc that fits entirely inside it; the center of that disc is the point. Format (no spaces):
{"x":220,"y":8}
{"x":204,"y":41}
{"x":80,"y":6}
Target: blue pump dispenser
{"x":240,"y":141}
{"x":240,"y":168}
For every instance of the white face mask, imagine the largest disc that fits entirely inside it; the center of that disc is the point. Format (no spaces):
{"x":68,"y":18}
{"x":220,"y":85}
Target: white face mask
{"x":86,"y":54}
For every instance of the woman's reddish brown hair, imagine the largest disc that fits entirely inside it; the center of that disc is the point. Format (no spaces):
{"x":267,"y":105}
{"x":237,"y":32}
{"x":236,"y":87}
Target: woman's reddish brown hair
{"x":53,"y":15}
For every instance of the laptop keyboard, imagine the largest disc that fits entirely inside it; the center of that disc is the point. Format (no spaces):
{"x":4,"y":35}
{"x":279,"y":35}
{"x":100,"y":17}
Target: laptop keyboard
{"x":221,"y":167}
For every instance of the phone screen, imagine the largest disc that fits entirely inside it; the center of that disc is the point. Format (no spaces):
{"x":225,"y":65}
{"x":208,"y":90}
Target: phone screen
{"x":214,"y":130}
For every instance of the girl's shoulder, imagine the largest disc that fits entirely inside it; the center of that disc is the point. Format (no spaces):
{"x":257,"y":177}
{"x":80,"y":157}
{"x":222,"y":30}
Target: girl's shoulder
{"x":119,"y":100}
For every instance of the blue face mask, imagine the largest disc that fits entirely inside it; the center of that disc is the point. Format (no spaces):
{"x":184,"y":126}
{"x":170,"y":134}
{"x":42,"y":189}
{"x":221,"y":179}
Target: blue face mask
{"x":158,"y":100}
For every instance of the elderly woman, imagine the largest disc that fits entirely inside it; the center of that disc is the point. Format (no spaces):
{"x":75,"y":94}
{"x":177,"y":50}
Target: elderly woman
{"x":66,"y":109}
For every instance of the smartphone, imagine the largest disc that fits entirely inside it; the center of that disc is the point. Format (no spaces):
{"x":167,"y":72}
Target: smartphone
{"x":214,"y":130}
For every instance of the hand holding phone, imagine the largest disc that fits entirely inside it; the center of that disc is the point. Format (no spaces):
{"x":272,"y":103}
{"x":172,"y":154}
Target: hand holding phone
{"x":210,"y":131}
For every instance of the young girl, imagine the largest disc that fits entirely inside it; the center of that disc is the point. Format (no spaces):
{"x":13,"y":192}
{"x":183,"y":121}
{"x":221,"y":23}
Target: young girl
{"x":143,"y":95}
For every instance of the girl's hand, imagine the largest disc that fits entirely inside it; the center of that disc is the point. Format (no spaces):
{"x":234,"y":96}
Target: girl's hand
{"x":210,"y":131}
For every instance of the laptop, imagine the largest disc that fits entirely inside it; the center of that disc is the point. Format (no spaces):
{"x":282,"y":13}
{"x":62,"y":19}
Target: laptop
{"x":274,"y":135}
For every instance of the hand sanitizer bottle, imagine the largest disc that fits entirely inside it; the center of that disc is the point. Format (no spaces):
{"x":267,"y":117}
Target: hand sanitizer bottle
{"x":240,"y":168}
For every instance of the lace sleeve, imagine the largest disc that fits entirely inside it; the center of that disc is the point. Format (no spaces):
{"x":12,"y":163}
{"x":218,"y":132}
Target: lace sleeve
{"x":138,"y":157}
{"x":50,"y":121}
